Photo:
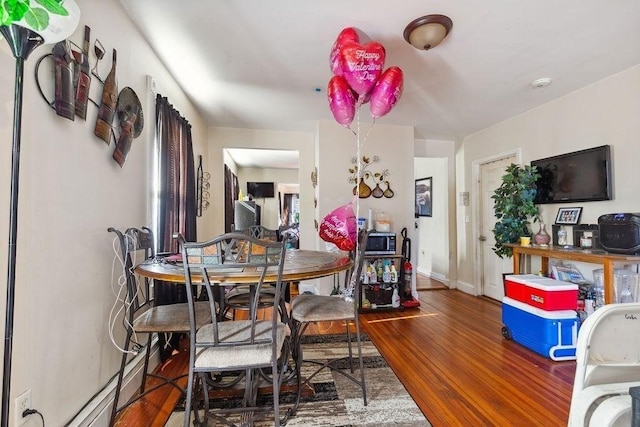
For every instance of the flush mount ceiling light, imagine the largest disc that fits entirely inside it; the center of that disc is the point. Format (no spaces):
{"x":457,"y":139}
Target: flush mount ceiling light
{"x":540,"y":83}
{"x":428,"y":31}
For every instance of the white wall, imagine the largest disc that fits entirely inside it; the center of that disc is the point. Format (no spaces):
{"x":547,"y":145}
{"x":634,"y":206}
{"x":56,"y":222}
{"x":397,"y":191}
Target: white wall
{"x":394,"y":146}
{"x":71,"y":191}
{"x":269,"y":213}
{"x":432,"y":238}
{"x":603,"y":113}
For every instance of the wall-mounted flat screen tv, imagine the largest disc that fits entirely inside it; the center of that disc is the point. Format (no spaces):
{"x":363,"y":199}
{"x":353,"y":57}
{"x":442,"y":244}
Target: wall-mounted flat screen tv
{"x":581,"y":176}
{"x":261,"y":190}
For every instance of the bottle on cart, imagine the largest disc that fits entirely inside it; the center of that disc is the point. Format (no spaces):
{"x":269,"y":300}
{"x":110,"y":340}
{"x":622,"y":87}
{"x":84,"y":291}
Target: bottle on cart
{"x":386,"y":275}
{"x":395,"y":298}
{"x":394,"y":273}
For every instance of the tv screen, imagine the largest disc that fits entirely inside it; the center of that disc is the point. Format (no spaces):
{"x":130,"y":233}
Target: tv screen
{"x":260,"y":189}
{"x":581,"y":176}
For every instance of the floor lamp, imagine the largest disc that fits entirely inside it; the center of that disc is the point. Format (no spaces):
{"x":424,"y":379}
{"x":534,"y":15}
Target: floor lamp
{"x":23,"y":41}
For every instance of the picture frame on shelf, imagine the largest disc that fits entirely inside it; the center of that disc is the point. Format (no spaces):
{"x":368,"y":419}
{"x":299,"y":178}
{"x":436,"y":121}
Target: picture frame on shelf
{"x":568,"y":216}
{"x":423,"y":197}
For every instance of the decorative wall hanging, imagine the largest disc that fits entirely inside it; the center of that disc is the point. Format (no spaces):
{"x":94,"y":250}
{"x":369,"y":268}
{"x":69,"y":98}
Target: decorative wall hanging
{"x":202,"y":187}
{"x":108,"y":104}
{"x":314,"y":177}
{"x":378,"y":179}
{"x":129,"y":113}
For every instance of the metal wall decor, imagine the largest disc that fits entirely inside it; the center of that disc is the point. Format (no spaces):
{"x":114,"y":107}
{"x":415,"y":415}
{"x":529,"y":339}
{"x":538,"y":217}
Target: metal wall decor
{"x":380,"y":185}
{"x":202,"y":188}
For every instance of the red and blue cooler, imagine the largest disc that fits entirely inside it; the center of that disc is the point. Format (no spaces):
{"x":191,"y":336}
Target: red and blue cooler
{"x":553,"y":334}
{"x":541,"y":292}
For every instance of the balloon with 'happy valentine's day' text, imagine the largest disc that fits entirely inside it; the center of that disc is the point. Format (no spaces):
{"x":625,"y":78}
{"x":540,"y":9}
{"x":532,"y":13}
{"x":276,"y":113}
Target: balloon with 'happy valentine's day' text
{"x":342,"y":100}
{"x":339,"y":227}
{"x":386,"y":92}
{"x":362,"y":65}
{"x":349,"y":34}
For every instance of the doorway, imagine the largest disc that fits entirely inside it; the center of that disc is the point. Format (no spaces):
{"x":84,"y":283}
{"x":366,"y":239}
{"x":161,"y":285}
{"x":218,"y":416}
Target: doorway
{"x":489,"y":172}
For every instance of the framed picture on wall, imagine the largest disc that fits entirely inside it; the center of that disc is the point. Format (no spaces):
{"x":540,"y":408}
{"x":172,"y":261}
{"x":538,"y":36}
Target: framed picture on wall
{"x":568,"y":216}
{"x":423,"y":197}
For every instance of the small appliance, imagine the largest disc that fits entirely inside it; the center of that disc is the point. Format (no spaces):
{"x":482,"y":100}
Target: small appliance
{"x":381,"y":243}
{"x":620,"y":232}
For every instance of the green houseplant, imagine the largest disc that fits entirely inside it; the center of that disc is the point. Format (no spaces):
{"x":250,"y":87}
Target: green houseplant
{"x":514,"y":206}
{"x":34,"y":12}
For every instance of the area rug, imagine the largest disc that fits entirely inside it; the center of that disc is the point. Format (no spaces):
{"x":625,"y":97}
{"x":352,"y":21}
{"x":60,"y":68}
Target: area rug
{"x":334,"y":400}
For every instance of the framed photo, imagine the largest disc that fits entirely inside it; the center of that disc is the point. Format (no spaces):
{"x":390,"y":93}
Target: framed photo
{"x":423,"y":197}
{"x":568,"y":216}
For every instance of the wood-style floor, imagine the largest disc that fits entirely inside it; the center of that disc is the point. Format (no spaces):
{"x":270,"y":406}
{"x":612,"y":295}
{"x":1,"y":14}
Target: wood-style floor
{"x":450,"y":355}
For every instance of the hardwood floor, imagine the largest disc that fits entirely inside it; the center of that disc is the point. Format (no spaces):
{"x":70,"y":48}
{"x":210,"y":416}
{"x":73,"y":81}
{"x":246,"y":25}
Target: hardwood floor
{"x":450,"y":355}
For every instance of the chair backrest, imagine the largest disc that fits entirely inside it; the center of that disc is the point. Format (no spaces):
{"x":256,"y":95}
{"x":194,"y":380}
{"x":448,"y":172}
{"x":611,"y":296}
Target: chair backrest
{"x":608,"y":347}
{"x":352,"y":276}
{"x":261,"y":232}
{"x":231,"y":253}
{"x":136,"y":245}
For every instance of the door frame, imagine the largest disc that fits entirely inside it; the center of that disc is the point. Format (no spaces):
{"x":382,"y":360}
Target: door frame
{"x":475,"y":208}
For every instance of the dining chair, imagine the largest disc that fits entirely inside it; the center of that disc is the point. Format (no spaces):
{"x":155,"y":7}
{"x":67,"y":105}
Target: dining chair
{"x":309,"y":308}
{"x":141,"y":315}
{"x":248,"y":345}
{"x":239,"y":297}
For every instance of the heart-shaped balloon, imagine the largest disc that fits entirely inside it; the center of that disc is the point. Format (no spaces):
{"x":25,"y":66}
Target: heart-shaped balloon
{"x":340,"y":228}
{"x":362,"y":65}
{"x":386,"y":92}
{"x":349,"y":34}
{"x":342,"y":100}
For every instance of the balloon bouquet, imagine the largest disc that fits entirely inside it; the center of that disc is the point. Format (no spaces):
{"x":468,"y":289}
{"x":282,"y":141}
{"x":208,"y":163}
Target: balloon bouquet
{"x":358,"y":78}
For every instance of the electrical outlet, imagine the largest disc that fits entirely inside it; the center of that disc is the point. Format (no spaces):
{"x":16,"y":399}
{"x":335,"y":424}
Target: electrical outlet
{"x":22,"y":403}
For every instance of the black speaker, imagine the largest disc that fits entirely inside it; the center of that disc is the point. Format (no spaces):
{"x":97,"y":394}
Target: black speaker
{"x":620,"y":232}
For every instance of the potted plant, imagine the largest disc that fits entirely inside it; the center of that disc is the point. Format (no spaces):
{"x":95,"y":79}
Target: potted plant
{"x":34,"y":12}
{"x":514,"y":206}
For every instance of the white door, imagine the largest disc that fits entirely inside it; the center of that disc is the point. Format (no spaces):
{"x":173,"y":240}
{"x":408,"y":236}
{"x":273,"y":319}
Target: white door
{"x":492,"y":265}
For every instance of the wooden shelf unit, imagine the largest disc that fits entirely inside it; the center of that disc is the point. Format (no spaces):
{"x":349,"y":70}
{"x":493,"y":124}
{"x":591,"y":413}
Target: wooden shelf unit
{"x":593,"y":256}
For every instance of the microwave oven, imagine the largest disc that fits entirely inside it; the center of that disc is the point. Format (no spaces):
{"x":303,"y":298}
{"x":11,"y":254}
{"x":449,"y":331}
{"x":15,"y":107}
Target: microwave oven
{"x":381,"y":243}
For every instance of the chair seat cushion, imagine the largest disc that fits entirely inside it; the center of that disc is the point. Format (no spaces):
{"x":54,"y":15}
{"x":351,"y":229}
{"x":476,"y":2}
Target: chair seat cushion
{"x":237,"y":356}
{"x":172,"y":318}
{"x":318,"y":308}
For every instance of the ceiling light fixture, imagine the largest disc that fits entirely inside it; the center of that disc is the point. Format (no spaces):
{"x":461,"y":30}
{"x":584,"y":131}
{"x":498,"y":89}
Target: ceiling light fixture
{"x":540,"y":83}
{"x":428,"y":31}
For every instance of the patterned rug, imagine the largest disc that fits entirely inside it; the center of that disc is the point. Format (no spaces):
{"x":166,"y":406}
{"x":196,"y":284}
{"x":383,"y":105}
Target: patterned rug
{"x":333,"y":400}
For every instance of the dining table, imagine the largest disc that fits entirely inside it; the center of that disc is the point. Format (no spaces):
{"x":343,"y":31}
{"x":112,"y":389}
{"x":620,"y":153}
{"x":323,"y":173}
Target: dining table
{"x":300,"y":264}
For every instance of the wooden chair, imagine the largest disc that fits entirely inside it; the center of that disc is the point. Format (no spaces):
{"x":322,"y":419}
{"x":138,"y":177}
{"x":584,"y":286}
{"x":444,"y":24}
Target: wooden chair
{"x":309,"y":308}
{"x":236,"y":345}
{"x":142,"y":316}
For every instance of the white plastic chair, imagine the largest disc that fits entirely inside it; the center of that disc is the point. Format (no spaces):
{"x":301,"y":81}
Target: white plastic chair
{"x":607,"y":365}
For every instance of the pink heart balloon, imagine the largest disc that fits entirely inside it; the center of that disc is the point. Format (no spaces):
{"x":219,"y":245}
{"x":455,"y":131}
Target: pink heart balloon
{"x":339,"y":227}
{"x":342,"y":100}
{"x":362,"y":65}
{"x":386,"y":92}
{"x":349,"y":34}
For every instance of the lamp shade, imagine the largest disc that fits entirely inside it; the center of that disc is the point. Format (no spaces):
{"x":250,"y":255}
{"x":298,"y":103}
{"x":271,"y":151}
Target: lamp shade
{"x":428,"y":31}
{"x":60,"y":27}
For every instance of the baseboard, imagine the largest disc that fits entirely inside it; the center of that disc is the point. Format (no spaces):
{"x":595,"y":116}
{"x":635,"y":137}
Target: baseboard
{"x":468,"y":288}
{"x":97,"y":412}
{"x":435,"y":276}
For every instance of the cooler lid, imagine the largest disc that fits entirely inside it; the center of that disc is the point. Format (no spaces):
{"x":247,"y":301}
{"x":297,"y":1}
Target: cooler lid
{"x":544,"y":283}
{"x":555,"y":314}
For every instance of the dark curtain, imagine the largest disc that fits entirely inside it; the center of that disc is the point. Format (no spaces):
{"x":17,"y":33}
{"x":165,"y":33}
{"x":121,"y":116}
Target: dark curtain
{"x":176,"y":199}
{"x":177,"y":185}
{"x":231,"y":191}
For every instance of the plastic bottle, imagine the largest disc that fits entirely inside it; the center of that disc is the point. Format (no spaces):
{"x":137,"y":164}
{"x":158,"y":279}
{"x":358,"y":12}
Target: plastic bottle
{"x":386,"y":274}
{"x":394,"y":273}
{"x":395,"y":298}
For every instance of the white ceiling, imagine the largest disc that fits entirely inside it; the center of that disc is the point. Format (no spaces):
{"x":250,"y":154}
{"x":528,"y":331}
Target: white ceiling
{"x":265,"y":64}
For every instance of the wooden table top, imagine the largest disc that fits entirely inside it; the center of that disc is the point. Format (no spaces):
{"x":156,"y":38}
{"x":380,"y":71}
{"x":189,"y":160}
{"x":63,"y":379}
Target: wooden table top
{"x":300,"y":264}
